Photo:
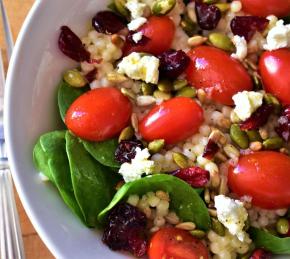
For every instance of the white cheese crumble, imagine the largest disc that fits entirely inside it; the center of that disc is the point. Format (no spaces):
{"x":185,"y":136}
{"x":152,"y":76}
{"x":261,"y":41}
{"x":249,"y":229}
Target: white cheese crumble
{"x":136,"y":8}
{"x":139,"y":166}
{"x":140,"y":67}
{"x":136,"y":23}
{"x":241,"y":47}
{"x":137,"y":36}
{"x":246,"y":103}
{"x":232,"y":214}
{"x":278,"y":37}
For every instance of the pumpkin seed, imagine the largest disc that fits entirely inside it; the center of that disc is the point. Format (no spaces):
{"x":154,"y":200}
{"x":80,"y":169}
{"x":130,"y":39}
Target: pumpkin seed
{"x":126,"y":134}
{"x":187,"y":92}
{"x":74,"y":78}
{"x":121,"y":8}
{"x":282,"y":226}
{"x":161,"y":95}
{"x":221,"y":41}
{"x":196,"y":41}
{"x":253,"y":135}
{"x":180,"y":159}
{"x":128,"y":93}
{"x":273,"y":143}
{"x":189,"y":27}
{"x":162,"y":7}
{"x":198,"y":233}
{"x":156,"y":145}
{"x":224,"y":7}
{"x":147,"y":89}
{"x":218,"y":227}
{"x":165,"y":85}
{"x":179,"y":84}
{"x":239,"y":137}
{"x":270,"y":99}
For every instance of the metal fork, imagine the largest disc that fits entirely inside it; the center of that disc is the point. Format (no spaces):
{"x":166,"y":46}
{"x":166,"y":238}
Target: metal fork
{"x":11,"y":243}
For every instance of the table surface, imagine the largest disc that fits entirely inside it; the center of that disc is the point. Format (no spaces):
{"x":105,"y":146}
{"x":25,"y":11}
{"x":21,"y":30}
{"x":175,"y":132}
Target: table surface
{"x":34,"y":247}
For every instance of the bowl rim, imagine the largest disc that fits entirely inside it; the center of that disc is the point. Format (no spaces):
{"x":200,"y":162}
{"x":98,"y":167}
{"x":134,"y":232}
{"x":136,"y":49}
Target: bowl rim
{"x":29,"y":20}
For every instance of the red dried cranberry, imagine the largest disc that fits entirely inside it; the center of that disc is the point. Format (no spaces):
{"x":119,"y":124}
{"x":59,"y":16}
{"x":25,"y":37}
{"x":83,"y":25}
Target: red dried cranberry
{"x":126,"y":150}
{"x":258,"y":118}
{"x":71,"y":45}
{"x":210,"y":149}
{"x":108,"y":22}
{"x":208,"y":16}
{"x":195,"y":176}
{"x":261,"y":254}
{"x":173,"y":63}
{"x":129,"y":40}
{"x":126,"y":230}
{"x":91,"y":76}
{"x":283,"y":128}
{"x":246,"y":26}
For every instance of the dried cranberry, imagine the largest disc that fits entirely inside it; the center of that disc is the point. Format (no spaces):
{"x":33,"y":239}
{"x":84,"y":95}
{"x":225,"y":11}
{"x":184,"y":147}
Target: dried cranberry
{"x":195,"y":176}
{"x":71,"y":45}
{"x":258,"y":118}
{"x":210,"y":149}
{"x":126,"y":230}
{"x":261,"y":254}
{"x":173,"y":63}
{"x":208,"y":16}
{"x":126,"y":150}
{"x":91,"y":76}
{"x":108,"y":22}
{"x":246,"y":26}
{"x":129,"y":40}
{"x":283,"y":128}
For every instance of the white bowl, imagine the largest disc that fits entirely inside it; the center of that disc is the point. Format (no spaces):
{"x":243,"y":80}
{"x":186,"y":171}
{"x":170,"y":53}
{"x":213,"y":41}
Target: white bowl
{"x":31,"y":109}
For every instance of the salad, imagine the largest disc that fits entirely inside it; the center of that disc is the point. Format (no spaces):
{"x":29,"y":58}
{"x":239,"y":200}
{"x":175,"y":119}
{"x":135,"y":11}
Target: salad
{"x":177,"y":128}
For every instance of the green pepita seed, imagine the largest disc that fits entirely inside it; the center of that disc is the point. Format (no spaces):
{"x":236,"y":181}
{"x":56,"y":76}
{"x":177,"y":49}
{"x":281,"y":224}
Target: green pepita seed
{"x":74,"y":78}
{"x":273,"y":143}
{"x":179,"y":84}
{"x":121,"y":8}
{"x":221,"y":41}
{"x":198,"y":233}
{"x":270,"y":99}
{"x":161,"y":95}
{"x":189,"y":27}
{"x":224,"y":7}
{"x":180,"y":159}
{"x":126,"y":134}
{"x":187,"y":92}
{"x":239,"y":137}
{"x":147,"y":89}
{"x":218,"y":227}
{"x":253,"y":135}
{"x":128,"y":93}
{"x":162,"y":7}
{"x":282,"y":226}
{"x":165,"y":85}
{"x":156,"y":145}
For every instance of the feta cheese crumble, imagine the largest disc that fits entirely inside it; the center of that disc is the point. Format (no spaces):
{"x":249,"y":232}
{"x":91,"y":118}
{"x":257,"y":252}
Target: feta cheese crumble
{"x":232,"y":214}
{"x":136,"y":23}
{"x":241,"y":47}
{"x":136,"y":8}
{"x":278,"y":37}
{"x":246,"y":103}
{"x":140,"y":67}
{"x":137,"y":36}
{"x":139,"y":165}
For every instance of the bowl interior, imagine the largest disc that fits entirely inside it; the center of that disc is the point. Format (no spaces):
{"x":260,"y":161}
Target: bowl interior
{"x":31,"y":109}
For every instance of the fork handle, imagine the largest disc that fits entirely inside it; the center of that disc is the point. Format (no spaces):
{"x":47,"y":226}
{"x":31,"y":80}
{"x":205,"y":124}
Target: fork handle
{"x":11,"y":243}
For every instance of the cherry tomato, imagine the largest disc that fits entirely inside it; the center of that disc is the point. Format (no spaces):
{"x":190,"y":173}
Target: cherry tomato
{"x":160,"y":31}
{"x":173,"y":120}
{"x":275,"y":71}
{"x":264,"y":176}
{"x":99,"y":114}
{"x":176,"y":243}
{"x":267,"y":7}
{"x":217,"y":73}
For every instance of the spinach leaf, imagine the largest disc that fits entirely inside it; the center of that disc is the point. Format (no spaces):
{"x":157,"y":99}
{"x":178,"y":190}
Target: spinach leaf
{"x":93,"y":183}
{"x":66,"y":96}
{"x":185,"y":201}
{"x":103,"y":152}
{"x":53,"y":147}
{"x":269,"y":242}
